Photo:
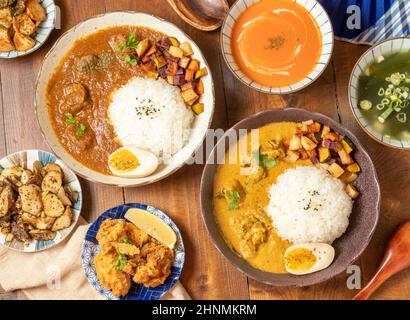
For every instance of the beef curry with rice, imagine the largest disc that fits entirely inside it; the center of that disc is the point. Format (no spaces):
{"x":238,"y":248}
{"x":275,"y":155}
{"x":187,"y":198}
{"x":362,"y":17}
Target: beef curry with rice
{"x":79,"y":91}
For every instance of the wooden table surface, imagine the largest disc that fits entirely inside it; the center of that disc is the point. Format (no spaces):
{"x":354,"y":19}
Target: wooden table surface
{"x":207,"y":275}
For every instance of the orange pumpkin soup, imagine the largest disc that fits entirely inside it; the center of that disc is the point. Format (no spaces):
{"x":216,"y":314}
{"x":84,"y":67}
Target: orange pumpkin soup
{"x":276,"y":42}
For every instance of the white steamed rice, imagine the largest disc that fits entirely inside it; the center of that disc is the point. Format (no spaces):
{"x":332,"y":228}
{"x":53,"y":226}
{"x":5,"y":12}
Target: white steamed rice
{"x":151,"y":114}
{"x":307,"y":204}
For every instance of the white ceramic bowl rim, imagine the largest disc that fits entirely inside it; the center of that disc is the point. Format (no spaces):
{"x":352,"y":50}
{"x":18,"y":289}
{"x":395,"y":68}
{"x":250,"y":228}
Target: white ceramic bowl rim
{"x":393,"y":143}
{"x":321,"y":65}
{"x":202,"y":122}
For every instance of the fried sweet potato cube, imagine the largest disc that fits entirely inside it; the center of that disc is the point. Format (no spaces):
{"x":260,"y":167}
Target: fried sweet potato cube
{"x":194,"y":65}
{"x":189,"y":95}
{"x":189,"y":75}
{"x":199,"y":88}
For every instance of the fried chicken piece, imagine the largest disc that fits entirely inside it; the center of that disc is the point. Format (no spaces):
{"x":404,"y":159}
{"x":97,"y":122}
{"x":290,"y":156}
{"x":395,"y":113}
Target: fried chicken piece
{"x":127,"y":249}
{"x":112,"y":231}
{"x":157,"y":265}
{"x":110,"y":277}
{"x":137,"y":236}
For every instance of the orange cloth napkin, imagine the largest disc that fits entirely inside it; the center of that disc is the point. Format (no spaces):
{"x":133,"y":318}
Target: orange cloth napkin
{"x":57,"y":274}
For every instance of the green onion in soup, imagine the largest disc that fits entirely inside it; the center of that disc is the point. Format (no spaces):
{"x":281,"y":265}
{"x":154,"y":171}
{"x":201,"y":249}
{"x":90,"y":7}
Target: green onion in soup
{"x":384,"y":95}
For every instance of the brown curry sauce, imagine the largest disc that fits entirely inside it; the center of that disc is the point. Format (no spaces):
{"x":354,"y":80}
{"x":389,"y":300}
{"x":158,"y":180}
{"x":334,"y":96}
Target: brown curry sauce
{"x":108,"y":73}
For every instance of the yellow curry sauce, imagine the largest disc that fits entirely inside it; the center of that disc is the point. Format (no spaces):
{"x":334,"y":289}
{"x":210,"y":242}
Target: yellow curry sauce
{"x":248,"y":230}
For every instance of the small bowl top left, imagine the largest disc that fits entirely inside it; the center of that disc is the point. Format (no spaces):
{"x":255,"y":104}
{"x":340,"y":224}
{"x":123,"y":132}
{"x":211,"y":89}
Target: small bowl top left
{"x":44,"y":30}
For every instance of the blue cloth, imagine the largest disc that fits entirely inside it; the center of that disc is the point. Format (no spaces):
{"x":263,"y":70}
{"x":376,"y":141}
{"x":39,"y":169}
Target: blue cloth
{"x":379,"y":19}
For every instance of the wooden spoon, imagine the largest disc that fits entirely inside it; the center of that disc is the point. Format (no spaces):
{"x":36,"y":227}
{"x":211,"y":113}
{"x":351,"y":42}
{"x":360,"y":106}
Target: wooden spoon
{"x":205,"y":15}
{"x":396,"y":259}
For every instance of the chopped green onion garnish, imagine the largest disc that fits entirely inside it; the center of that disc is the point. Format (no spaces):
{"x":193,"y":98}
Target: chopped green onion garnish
{"x":395,"y":103}
{"x":385,"y":101}
{"x":385,"y":115}
{"x":366,"y":104}
{"x":81,"y":130}
{"x":234,"y":198}
{"x":395,"y":78}
{"x":401,"y":117}
{"x":70,"y":119}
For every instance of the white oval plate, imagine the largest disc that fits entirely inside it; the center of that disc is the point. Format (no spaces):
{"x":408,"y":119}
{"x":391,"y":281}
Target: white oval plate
{"x":43,"y":31}
{"x":26,"y":159}
{"x":326,"y":31}
{"x":53,"y":58}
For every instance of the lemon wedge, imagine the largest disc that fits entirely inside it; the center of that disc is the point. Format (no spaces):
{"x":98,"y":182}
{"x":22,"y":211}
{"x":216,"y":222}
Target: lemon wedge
{"x":152,"y":225}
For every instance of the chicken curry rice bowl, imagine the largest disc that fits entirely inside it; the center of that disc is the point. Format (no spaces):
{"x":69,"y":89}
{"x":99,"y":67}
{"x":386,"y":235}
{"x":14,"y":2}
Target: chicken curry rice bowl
{"x":294,"y":200}
{"x":123,"y":99}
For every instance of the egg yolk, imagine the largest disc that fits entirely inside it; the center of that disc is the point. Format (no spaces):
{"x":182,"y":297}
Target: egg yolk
{"x":300,"y":259}
{"x":124,"y":160}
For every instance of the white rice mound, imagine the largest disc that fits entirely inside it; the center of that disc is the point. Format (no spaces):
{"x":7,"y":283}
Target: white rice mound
{"x":151,"y":114}
{"x":307,"y":204}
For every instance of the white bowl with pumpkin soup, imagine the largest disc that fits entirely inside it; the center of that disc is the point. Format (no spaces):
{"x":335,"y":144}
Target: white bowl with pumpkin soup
{"x":277,"y":46}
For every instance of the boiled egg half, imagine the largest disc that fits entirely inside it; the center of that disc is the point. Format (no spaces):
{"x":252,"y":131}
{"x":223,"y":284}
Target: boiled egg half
{"x":132,"y":163}
{"x":307,"y":258}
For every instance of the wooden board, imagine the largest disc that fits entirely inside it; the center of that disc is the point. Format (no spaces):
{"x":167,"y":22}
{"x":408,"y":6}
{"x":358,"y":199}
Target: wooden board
{"x":207,"y":275}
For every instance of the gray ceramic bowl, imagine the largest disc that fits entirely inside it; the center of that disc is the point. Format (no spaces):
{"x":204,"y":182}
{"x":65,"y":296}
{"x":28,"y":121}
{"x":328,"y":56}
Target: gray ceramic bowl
{"x":363,"y":220}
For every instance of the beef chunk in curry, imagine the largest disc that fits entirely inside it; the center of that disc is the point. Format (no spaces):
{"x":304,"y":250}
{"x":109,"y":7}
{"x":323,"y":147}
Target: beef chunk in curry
{"x":74,"y":99}
{"x":81,"y":136}
{"x":85,"y":64}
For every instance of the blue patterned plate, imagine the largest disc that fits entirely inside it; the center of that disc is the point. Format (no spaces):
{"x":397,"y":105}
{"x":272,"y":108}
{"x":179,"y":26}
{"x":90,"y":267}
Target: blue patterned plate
{"x":137,"y":292}
{"x":26,"y":159}
{"x":43,"y":31}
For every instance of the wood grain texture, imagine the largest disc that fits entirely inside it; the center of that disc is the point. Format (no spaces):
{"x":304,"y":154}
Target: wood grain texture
{"x":207,"y":275}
